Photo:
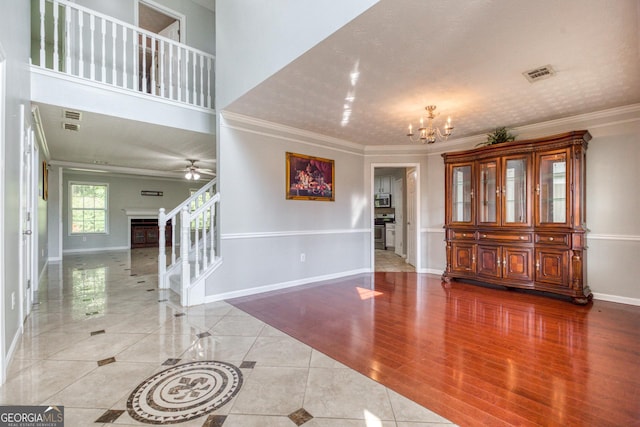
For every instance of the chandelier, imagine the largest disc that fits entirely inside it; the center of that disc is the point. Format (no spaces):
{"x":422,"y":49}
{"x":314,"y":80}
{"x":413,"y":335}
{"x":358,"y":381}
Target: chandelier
{"x":429,"y":134}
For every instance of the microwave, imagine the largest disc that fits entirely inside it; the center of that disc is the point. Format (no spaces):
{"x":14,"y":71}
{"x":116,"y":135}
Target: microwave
{"x":383,"y":200}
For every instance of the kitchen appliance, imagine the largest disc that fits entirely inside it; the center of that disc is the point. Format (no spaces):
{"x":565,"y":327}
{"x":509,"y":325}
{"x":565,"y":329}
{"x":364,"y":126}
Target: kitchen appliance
{"x":382,"y":200}
{"x":379,"y":229}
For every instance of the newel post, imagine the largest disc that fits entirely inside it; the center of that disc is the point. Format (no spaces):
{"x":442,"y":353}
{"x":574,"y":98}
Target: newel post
{"x":185,"y":245}
{"x":162,"y":256}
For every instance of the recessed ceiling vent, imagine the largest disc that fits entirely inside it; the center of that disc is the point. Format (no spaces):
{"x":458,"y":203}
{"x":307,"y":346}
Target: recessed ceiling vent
{"x":539,"y":73}
{"x":70,"y":126}
{"x":72,"y":115}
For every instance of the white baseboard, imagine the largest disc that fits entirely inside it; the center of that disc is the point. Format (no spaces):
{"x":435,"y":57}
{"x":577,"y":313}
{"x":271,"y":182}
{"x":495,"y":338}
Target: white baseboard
{"x":12,"y":349}
{"x":616,"y":298}
{"x":90,"y":250}
{"x":54,"y":259}
{"x":431,"y":271}
{"x":282,"y":285}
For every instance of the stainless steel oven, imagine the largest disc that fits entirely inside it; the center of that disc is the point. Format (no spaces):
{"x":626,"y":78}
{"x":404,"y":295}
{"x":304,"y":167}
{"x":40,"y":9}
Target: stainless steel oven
{"x":378,"y":236}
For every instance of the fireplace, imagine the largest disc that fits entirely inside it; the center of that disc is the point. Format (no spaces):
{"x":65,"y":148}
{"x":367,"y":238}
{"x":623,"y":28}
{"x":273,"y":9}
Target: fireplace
{"x":145,"y":233}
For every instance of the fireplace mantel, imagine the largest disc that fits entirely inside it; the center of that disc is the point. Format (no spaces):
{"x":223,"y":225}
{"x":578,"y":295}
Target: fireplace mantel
{"x":141,"y":212}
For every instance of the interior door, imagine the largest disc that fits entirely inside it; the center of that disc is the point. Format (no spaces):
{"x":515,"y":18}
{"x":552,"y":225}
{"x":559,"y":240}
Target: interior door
{"x":398,"y":193}
{"x":26,"y":216}
{"x":169,"y":61}
{"x":411,"y":217}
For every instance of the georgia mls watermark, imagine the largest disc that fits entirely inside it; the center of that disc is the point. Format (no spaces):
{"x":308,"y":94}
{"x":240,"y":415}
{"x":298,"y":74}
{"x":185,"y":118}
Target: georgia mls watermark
{"x":31,"y":416}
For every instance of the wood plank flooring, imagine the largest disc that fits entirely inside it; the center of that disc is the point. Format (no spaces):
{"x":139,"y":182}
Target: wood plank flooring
{"x":475,"y":355}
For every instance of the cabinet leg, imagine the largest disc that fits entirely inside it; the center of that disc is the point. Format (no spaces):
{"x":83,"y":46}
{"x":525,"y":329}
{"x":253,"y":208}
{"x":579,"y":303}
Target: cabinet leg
{"x":582,"y":300}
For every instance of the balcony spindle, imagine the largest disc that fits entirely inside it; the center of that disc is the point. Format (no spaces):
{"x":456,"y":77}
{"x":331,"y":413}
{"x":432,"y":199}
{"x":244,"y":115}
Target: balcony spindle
{"x":92,"y":39}
{"x":144,"y":62}
{"x":153,"y":66}
{"x":42,"y":35}
{"x":124,"y":57}
{"x":201,"y":98}
{"x":103,"y":68}
{"x":56,"y":55}
{"x":114,"y":76}
{"x":209,"y":90}
{"x":80,"y":38}
{"x":161,"y":67}
{"x":67,"y":39}
{"x":135,"y":85}
{"x":170,"y":70}
{"x":179,"y":74}
{"x":194,"y":100}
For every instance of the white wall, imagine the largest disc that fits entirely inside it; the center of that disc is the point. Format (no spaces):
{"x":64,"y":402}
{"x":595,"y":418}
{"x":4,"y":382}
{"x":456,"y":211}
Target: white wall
{"x":252,"y":46}
{"x":263,"y":234}
{"x":15,"y":40}
{"x":124,"y":193}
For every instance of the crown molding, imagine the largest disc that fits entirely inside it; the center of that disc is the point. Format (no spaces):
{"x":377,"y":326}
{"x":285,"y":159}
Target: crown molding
{"x":242,"y":122}
{"x":109,"y":170}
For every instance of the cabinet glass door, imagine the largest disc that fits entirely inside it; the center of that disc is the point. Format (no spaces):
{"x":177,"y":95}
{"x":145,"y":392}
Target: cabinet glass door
{"x":552,"y":188}
{"x":515,"y":191}
{"x":488,"y":192}
{"x":461,"y":193}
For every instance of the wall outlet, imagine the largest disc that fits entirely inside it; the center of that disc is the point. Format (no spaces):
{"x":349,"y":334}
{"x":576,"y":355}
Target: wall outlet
{"x":303,"y":257}
{"x":13,"y":300}
{"x":84,"y":238}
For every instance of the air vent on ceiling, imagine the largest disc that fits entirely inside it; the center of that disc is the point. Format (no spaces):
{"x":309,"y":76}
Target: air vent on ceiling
{"x":70,"y":126}
{"x":72,"y":115}
{"x":539,"y":73}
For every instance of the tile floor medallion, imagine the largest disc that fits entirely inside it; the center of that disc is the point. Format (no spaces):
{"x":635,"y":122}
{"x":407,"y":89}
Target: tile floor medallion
{"x":184,"y":392}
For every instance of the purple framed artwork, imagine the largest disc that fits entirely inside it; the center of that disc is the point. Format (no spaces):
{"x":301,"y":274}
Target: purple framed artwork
{"x":310,"y":178}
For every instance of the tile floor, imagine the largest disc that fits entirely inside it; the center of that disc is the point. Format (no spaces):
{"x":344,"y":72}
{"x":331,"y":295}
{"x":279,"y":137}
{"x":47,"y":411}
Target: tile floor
{"x":101,"y":329}
{"x":389,"y":261}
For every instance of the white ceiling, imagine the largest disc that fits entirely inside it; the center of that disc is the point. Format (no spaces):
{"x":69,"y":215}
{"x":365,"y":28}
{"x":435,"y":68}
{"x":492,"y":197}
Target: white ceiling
{"x":465,"y":56}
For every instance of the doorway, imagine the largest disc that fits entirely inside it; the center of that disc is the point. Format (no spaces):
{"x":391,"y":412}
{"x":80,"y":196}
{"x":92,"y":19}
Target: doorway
{"x":158,"y":60}
{"x":395,"y":217}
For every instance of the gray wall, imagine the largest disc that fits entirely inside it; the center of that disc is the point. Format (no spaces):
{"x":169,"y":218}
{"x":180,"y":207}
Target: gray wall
{"x":14,"y":39}
{"x":263,"y":234}
{"x":200,"y":21}
{"x":124,"y":193}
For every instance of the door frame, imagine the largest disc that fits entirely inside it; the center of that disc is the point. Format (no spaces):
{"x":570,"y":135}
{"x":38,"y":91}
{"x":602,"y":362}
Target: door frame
{"x":166,"y":11}
{"x":27,"y":201}
{"x":404,"y":165}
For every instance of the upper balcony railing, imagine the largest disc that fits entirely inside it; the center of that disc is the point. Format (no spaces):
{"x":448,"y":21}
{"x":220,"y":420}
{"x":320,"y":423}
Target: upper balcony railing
{"x":77,"y":41}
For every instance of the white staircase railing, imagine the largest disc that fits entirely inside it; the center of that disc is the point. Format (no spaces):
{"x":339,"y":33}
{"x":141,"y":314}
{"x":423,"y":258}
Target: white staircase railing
{"x":193,"y":237}
{"x":80,"y":42}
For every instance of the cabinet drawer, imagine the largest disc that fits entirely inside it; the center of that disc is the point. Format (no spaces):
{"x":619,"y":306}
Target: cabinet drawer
{"x":462,"y":235}
{"x":504,"y":237}
{"x":556,"y":239}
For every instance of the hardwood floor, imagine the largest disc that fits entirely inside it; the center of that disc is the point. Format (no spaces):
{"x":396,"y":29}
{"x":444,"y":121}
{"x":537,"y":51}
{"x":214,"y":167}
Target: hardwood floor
{"x":475,"y":355}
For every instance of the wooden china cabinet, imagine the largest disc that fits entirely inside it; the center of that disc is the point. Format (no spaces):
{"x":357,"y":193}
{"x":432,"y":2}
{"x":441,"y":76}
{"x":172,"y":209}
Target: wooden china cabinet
{"x":515,"y":215}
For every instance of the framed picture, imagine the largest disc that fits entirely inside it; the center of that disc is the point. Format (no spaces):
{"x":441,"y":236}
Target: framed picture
{"x":310,"y":178}
{"x":45,"y":180}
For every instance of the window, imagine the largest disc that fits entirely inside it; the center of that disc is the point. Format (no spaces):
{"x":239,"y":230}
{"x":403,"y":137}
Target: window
{"x":88,"y":208}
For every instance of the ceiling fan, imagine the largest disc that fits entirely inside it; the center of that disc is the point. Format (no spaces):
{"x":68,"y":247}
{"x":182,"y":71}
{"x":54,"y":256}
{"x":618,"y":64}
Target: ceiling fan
{"x":192,"y":172}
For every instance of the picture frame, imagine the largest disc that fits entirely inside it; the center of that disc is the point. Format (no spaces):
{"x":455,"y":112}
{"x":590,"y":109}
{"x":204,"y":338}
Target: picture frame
{"x":310,"y":178}
{"x":45,"y":180}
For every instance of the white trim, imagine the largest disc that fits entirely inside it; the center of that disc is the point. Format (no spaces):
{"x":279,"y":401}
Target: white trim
{"x":14,"y":345}
{"x":615,"y":237}
{"x":322,"y":141}
{"x":96,"y":250}
{"x":52,"y":260}
{"x":122,"y":91}
{"x":42,"y":140}
{"x":432,"y":271}
{"x":616,"y":298}
{"x":432,"y":230}
{"x":143,"y":213}
{"x":282,"y":285}
{"x":70,"y":209}
{"x":402,"y":165}
{"x":276,"y":234}
{"x":167,"y":11}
